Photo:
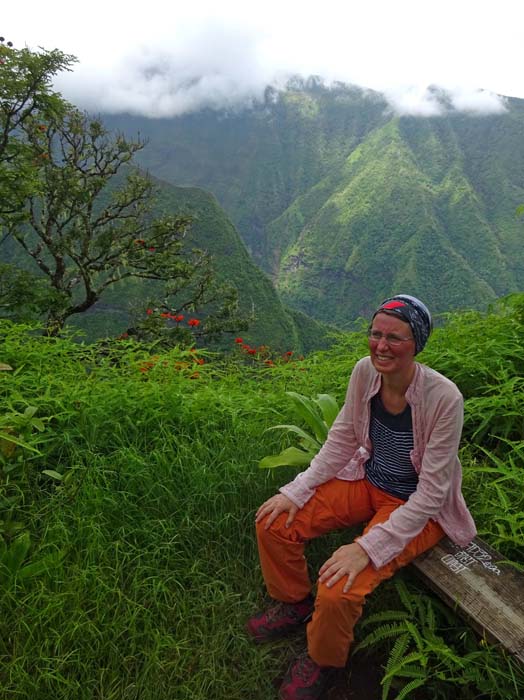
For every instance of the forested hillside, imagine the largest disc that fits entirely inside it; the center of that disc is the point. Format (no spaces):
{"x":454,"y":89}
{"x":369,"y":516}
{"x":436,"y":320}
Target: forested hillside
{"x":270,"y":321}
{"x":344,"y":202}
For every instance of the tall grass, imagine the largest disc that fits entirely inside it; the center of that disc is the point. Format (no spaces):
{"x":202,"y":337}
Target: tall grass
{"x":129,"y":564}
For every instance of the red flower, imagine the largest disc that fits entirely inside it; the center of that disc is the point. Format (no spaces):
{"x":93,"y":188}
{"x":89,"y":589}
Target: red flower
{"x":289,"y":353}
{"x":139,"y":241}
{"x":252,"y":351}
{"x":268,"y":362}
{"x":195,"y":375}
{"x":164,"y":315}
{"x":149,"y":312}
{"x":123,"y":336}
{"x":239,"y":340}
{"x":152,"y":249}
{"x":193,"y":322}
{"x":178,"y":318}
{"x":200,"y":361}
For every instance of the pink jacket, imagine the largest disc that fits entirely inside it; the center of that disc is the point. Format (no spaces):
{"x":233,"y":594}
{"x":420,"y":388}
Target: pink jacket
{"x":437,"y":415}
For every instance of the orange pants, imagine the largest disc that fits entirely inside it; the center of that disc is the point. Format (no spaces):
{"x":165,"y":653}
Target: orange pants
{"x":336,"y":504}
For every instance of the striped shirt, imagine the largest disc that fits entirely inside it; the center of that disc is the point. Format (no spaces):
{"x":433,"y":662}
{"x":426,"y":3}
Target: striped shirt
{"x":390,"y":468}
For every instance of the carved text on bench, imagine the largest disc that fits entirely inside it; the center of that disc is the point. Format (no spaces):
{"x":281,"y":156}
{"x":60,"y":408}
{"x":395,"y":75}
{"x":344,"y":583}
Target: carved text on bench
{"x":465,"y":558}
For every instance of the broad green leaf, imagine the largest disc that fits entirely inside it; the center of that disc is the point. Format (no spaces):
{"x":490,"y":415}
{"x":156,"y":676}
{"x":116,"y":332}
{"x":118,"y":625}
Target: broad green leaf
{"x":290,"y":457}
{"x":53,"y":474}
{"x":329,"y":408}
{"x":30,"y":411}
{"x":16,"y":553}
{"x":38,"y":424}
{"x":298,"y":431}
{"x":41,"y":566}
{"x":308,"y":411}
{"x":17,"y":441}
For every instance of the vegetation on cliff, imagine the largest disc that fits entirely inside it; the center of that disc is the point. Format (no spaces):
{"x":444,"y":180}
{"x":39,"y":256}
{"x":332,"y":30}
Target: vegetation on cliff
{"x":345,"y":203}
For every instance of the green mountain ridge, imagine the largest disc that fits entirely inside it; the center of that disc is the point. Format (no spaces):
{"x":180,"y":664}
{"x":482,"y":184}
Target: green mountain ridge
{"x":344,"y":203}
{"x":211,"y":230}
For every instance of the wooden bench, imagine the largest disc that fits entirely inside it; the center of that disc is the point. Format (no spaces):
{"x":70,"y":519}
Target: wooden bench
{"x":480,"y":587}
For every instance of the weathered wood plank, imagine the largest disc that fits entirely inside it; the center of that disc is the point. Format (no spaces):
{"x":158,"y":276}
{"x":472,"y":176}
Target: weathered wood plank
{"x":487,"y":592}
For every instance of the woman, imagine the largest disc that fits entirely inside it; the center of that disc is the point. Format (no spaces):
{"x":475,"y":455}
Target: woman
{"x":390,"y":460}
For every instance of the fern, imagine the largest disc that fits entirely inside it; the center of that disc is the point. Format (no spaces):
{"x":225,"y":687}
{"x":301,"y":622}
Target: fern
{"x":384,"y":616}
{"x":380,"y":634}
{"x":407,"y":689}
{"x":396,"y":655}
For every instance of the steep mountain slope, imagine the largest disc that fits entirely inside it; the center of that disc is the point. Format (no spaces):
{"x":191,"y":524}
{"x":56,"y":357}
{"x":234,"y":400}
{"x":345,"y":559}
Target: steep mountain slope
{"x":345,"y":203}
{"x":211,"y":230}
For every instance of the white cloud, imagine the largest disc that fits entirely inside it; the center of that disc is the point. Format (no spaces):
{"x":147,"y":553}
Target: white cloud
{"x":161,"y":59}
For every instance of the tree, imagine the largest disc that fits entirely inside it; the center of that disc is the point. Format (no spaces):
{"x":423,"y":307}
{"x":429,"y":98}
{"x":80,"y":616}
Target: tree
{"x":25,"y":93}
{"x":84,"y":214}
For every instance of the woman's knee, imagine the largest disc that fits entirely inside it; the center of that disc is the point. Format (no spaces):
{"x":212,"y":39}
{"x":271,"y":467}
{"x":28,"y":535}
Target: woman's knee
{"x":277,"y":529}
{"x":332,"y":598}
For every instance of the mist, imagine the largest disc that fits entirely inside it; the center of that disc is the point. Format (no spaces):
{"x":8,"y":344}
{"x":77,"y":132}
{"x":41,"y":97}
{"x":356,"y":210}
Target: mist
{"x":162,"y":61}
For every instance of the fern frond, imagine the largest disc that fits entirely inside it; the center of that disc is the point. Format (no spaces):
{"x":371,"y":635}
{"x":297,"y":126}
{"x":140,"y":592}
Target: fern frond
{"x":405,"y":596}
{"x":415,"y":634}
{"x":407,"y":689}
{"x":384,"y":616}
{"x":378,"y":635}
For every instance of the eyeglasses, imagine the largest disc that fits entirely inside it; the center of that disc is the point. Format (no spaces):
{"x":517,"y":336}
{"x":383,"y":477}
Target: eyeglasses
{"x":390,"y":338}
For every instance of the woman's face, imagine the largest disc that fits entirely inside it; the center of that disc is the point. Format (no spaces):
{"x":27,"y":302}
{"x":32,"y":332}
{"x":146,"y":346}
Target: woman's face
{"x":392,"y":359}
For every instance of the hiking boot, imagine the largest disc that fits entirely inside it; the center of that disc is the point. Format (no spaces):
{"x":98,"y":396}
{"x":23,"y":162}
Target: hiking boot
{"x":279,"y":619}
{"x":304,"y":680}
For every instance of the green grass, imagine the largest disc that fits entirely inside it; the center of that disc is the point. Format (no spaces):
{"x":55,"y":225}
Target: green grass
{"x":142,"y":543}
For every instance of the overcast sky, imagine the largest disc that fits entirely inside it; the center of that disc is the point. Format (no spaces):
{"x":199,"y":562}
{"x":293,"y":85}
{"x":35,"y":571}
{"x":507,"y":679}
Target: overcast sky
{"x":159,"y":59}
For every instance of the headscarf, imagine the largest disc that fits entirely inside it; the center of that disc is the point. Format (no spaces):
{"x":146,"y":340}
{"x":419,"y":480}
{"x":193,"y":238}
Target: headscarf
{"x":412,"y":311}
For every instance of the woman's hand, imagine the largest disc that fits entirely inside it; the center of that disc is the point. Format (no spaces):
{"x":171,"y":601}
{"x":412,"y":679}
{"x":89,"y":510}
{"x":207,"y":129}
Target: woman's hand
{"x":273,"y":507}
{"x":348,"y":560}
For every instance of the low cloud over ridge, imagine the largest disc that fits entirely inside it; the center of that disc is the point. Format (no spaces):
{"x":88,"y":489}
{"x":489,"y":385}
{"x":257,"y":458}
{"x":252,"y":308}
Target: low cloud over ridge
{"x":165,"y":60}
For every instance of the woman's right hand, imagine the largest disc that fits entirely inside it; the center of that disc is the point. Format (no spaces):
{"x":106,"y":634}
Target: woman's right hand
{"x":273,"y":507}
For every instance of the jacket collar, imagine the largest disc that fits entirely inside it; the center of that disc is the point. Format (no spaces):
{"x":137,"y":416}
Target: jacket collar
{"x":413,"y":393}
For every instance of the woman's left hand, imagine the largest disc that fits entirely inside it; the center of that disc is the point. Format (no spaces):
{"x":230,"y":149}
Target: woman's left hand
{"x":348,"y":560}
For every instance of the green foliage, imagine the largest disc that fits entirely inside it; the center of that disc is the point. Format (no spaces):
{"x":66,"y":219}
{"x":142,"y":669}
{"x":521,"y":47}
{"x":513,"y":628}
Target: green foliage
{"x":25,"y":94}
{"x":128,"y":562}
{"x":427,"y":649}
{"x":319,"y":415}
{"x":24,"y":295}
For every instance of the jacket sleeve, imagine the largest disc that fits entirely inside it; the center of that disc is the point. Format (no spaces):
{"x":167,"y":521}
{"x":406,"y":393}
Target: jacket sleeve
{"x":335,"y":453}
{"x":384,"y":541}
